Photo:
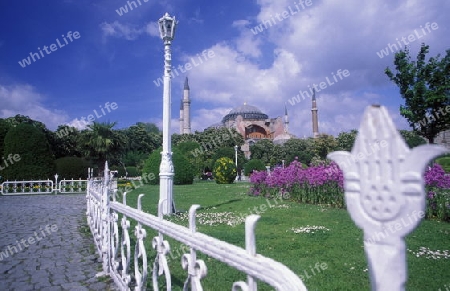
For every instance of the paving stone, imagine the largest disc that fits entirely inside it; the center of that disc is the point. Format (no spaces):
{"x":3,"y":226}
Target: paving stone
{"x":56,"y":260}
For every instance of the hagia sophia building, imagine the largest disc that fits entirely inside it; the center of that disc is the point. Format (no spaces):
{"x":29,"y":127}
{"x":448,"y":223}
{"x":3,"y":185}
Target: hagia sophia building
{"x":255,"y":125}
{"x":249,"y":121}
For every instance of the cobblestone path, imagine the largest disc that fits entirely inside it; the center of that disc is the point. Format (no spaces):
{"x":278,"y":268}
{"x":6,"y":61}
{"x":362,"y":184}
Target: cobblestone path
{"x":46,"y":245}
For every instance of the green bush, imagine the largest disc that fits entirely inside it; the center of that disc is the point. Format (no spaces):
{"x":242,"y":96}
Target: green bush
{"x":36,"y":158}
{"x":412,"y":139}
{"x":151,"y":166}
{"x":444,"y":162}
{"x":4,"y":127}
{"x":133,"y":172}
{"x":224,"y":171}
{"x":183,"y":169}
{"x":71,"y":168}
{"x":254,"y":164}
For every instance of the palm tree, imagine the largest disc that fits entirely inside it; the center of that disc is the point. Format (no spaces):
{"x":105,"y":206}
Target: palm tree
{"x":100,"y":143}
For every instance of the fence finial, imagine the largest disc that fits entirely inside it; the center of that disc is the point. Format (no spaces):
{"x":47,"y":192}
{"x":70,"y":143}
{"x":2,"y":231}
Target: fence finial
{"x":384,"y":190}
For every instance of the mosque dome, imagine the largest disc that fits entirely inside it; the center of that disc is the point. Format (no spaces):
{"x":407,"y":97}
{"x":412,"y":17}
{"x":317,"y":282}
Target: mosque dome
{"x":247,"y":112}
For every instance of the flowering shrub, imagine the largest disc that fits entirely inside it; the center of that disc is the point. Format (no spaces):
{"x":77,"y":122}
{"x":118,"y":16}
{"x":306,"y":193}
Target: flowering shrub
{"x":437,"y":184}
{"x":224,"y":171}
{"x":323,"y":184}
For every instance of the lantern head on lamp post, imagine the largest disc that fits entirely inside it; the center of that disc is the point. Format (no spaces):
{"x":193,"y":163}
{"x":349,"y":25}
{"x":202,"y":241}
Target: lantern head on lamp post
{"x":167,"y":26}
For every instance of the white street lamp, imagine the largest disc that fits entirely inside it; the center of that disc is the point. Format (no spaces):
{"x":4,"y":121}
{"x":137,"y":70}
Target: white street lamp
{"x":166,"y":171}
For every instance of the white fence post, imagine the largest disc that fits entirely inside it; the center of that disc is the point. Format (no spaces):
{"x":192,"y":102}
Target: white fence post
{"x":105,"y":213}
{"x":114,"y":246}
{"x":384,"y":187}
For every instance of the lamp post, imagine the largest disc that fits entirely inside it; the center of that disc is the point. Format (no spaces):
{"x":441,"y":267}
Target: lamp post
{"x":235,"y":160}
{"x":166,"y":171}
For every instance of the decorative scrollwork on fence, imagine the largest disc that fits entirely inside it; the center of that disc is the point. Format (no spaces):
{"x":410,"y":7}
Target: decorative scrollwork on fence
{"x":26,"y":187}
{"x":43,"y":187}
{"x":197,"y":269}
{"x":125,"y":246}
{"x":140,"y":271}
{"x":255,"y":266}
{"x":160,"y":265}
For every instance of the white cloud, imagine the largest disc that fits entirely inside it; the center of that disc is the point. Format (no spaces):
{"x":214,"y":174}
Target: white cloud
{"x":78,"y":123}
{"x":129,"y":31}
{"x":269,"y":68}
{"x":152,"y":29}
{"x":119,"y":30}
{"x":202,"y":118}
{"x":227,"y":79}
{"x":240,"y":23}
{"x":24,"y":100}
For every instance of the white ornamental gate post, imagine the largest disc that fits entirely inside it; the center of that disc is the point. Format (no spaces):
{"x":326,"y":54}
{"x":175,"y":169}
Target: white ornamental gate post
{"x":384,"y":192}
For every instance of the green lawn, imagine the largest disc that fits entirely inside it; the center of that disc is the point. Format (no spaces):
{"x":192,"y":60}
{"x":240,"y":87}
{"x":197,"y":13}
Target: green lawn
{"x":338,"y":244}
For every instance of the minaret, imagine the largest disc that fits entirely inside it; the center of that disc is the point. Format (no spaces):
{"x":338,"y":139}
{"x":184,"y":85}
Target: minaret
{"x":186,"y":108}
{"x":286,"y":120}
{"x":315,"y":122}
{"x":181,"y":116}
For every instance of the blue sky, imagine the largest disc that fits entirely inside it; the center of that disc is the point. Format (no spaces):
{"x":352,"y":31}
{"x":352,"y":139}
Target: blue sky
{"x":117,"y":58}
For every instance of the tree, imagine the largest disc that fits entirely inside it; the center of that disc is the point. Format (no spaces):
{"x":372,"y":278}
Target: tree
{"x":263,"y":150}
{"x":425,"y":86}
{"x":134,"y":159}
{"x":181,"y":165}
{"x":208,"y":143}
{"x":190,"y":150}
{"x":323,"y":145}
{"x":412,"y":139}
{"x":20,"y":119}
{"x":100,"y":143}
{"x":302,"y":149}
{"x":212,"y":139}
{"x":149,"y":127}
{"x":49,"y":135}
{"x":227,"y":152}
{"x":140,"y":139}
{"x":4,"y":127}
{"x":253,"y":164}
{"x":346,"y":140}
{"x":179,"y":138}
{"x":66,"y":142}
{"x":72,"y":168}
{"x":36,"y":158}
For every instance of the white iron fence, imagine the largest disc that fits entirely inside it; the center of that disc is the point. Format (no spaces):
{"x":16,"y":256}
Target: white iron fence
{"x":43,"y":187}
{"x":113,"y":242}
